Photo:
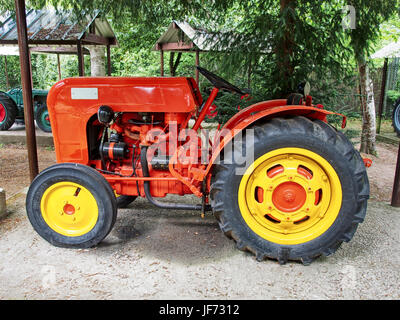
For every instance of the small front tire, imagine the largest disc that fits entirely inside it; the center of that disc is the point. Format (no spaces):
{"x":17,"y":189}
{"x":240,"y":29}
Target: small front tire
{"x":71,"y":206}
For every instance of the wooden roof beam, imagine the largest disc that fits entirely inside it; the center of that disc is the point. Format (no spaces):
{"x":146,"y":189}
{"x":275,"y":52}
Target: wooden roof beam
{"x":174,"y":46}
{"x":91,"y":38}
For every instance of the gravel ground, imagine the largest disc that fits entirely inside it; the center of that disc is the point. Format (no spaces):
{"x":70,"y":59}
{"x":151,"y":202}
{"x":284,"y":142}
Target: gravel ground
{"x":161,"y":254}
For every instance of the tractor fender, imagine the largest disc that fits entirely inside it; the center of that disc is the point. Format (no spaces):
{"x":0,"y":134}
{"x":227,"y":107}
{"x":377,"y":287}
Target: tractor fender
{"x":263,"y":110}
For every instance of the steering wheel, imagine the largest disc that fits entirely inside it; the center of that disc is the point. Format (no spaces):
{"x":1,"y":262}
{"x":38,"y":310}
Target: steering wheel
{"x":218,"y":82}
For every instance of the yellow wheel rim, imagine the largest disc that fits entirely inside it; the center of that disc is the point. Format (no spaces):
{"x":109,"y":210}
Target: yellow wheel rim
{"x":290,"y":196}
{"x":69,"y":209}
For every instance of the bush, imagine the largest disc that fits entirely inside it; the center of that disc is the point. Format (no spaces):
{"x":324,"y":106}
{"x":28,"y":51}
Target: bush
{"x":392,"y":96}
{"x":229,"y":103}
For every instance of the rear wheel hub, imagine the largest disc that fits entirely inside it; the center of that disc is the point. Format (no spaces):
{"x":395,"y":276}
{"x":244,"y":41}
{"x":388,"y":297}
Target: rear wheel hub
{"x":2,"y":113}
{"x":290,"y":196}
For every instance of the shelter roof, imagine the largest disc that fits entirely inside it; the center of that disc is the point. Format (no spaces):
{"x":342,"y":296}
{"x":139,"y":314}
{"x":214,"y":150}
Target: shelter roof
{"x":53,"y":28}
{"x":392,"y":50}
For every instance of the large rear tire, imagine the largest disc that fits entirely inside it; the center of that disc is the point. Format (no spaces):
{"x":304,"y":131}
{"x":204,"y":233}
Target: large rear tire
{"x":303,"y":195}
{"x":8,"y":112}
{"x":124,"y":201}
{"x":71,"y":206}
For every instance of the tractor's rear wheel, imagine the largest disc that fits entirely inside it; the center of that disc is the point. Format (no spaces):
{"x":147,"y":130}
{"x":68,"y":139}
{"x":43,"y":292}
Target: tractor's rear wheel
{"x":304,"y":193}
{"x":8,"y":112}
{"x":71,"y":206}
{"x":124,"y":201}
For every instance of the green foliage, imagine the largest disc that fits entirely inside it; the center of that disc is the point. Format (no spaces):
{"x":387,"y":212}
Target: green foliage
{"x":389,"y":32}
{"x":370,"y":14}
{"x":351,"y":134}
{"x":43,"y":67}
{"x":282,"y":42}
{"x":14,"y":75}
{"x":286,"y":44}
{"x":7,"y":5}
{"x":44,"y":70}
{"x":392,"y":97}
{"x":229,"y":104}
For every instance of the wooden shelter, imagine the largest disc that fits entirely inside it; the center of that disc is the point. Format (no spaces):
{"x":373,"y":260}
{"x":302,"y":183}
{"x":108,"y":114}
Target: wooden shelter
{"x":57,"y":32}
{"x":182,"y":37}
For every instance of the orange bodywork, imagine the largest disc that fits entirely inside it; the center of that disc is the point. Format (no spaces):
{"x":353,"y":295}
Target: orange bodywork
{"x":69,"y":114}
{"x":264,"y":110}
{"x":73,"y":104}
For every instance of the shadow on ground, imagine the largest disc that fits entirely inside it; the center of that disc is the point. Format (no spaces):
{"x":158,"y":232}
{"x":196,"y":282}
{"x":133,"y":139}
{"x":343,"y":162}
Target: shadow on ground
{"x":169,"y":235}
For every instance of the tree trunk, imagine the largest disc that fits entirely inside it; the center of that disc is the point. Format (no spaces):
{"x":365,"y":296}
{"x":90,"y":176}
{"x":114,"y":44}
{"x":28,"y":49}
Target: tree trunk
{"x":97,"y":61}
{"x":285,"y":49}
{"x":368,"y":134}
{"x":173,"y":64}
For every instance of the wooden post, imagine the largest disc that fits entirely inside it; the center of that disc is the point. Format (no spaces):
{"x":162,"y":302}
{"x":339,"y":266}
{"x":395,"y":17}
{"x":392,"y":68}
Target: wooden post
{"x":396,"y":185}
{"x":6,"y":72}
{"x":197,"y":64}
{"x":162,"y":62}
{"x":81,"y":60}
{"x":26,"y":79}
{"x":108,"y":60}
{"x":383,"y":95}
{"x":59,"y":66}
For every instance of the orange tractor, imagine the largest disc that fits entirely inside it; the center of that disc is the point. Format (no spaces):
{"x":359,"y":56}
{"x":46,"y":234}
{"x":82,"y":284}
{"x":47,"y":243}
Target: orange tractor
{"x":281,"y":181}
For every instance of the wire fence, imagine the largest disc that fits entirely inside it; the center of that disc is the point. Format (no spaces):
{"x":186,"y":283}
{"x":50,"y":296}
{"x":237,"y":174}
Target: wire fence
{"x":350,"y":102}
{"x":392,"y":91}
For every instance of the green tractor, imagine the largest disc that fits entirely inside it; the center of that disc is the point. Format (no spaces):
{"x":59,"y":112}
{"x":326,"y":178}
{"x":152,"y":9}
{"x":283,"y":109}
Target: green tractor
{"x":12,"y":109}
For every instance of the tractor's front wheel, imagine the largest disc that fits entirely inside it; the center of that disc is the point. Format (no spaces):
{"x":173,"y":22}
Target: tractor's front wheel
{"x":71,"y":206}
{"x":302,"y":194}
{"x":42,"y":118}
